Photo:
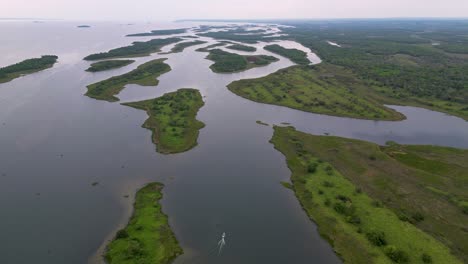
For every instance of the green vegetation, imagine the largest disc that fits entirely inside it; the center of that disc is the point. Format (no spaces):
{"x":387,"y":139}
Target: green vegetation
{"x":207,"y":48}
{"x":172,"y":118}
{"x":25,"y":67}
{"x":357,"y":193}
{"x":147,"y":238}
{"x":162,"y":32}
{"x":137,"y":49}
{"x":324,"y":89}
{"x":226,"y":62}
{"x":108,"y":65}
{"x":295,"y":55}
{"x":240,"y":35}
{"x":397,"y":58}
{"x":179,"y":47}
{"x":145,"y":74}
{"x":374,"y":202}
{"x":242,"y":47}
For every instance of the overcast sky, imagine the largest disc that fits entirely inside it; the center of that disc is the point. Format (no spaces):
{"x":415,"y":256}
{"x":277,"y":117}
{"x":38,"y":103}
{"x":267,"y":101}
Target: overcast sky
{"x":219,"y":9}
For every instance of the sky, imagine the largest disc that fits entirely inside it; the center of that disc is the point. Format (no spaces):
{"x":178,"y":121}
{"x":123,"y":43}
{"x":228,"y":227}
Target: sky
{"x":137,"y":10}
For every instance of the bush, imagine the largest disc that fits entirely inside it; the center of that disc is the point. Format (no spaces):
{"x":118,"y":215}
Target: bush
{"x":121,"y":234}
{"x":328,"y":184}
{"x":312,"y":168}
{"x":377,"y":238}
{"x":426,"y":258}
{"x":396,"y":255}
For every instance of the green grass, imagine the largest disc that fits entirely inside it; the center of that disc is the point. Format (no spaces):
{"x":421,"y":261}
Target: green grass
{"x":179,"y":47}
{"x":161,"y":32}
{"x":242,"y":47}
{"x":108,"y":65}
{"x":148,"y":237}
{"x":137,"y":49}
{"x":25,"y":67}
{"x":226,"y":62}
{"x":295,"y":55}
{"x":323,"y":89}
{"x":355,"y":194}
{"x":172,"y":119}
{"x":145,"y":74}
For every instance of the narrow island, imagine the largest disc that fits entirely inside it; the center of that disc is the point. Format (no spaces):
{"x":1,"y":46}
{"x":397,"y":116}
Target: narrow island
{"x":207,"y":48}
{"x":172,"y":119}
{"x":147,"y":238}
{"x":145,"y":75}
{"x":295,"y":55}
{"x":26,"y":67}
{"x":137,"y":49}
{"x":242,"y":47}
{"x":179,"y":47}
{"x":83,"y":26}
{"x":381,"y":204}
{"x":161,"y":32}
{"x":322,"y":89}
{"x":108,"y":65}
{"x":226,"y":62}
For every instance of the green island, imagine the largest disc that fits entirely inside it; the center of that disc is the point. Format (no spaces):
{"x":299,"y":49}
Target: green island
{"x":295,"y":55}
{"x":179,"y":47}
{"x":381,"y":204}
{"x":172,"y":119}
{"x":240,"y":35}
{"x":25,"y":67}
{"x":226,"y":62}
{"x":162,"y":32}
{"x":241,"y":47}
{"x":398,"y":59}
{"x":137,"y":49}
{"x":323,"y":89}
{"x":147,"y":238}
{"x":207,"y":48}
{"x":108,"y":65}
{"x":145,"y":75}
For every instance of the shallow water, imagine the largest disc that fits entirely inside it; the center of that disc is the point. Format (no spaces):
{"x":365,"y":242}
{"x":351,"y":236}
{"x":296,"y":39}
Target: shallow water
{"x":55,"y":142}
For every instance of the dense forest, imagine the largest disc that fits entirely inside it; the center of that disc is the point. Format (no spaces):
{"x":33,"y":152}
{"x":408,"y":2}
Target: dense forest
{"x":230,"y":62}
{"x":295,"y":55}
{"x":11,"y":72}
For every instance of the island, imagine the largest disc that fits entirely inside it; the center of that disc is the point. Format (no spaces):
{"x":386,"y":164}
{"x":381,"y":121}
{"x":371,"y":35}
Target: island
{"x":83,"y":26}
{"x":242,"y":47}
{"x":108,"y":65}
{"x":26,"y":67}
{"x":380,"y":204}
{"x":145,"y":75}
{"x":161,"y":32}
{"x":147,"y":238}
{"x":226,"y":62}
{"x":172,"y":119}
{"x":207,"y":48}
{"x":295,"y":55}
{"x":137,"y":49}
{"x":179,"y":47}
{"x":322,"y":89}
{"x":240,"y":34}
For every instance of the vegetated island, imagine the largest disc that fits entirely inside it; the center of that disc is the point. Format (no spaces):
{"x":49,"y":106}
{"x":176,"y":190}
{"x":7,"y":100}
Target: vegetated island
{"x":25,"y":67}
{"x":226,"y":62}
{"x":179,"y":47}
{"x":108,"y":65}
{"x":242,"y":47}
{"x":380,"y":204}
{"x":137,"y":49}
{"x":172,"y":119}
{"x":207,"y":48}
{"x":322,"y":89}
{"x":83,"y":26}
{"x":161,"y":32}
{"x":145,"y":75}
{"x":295,"y":55}
{"x":241,"y":35}
{"x":147,"y":238}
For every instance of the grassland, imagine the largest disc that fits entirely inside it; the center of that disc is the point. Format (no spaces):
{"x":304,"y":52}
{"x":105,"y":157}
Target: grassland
{"x":25,"y":67}
{"x":381,"y":204}
{"x":148,"y":237}
{"x":108,"y":65}
{"x":226,"y":62}
{"x":242,"y":47}
{"x":137,"y":49}
{"x":172,"y":119}
{"x":179,"y":47}
{"x":162,"y":32}
{"x":295,"y":55}
{"x":323,"y":89}
{"x":145,"y":74}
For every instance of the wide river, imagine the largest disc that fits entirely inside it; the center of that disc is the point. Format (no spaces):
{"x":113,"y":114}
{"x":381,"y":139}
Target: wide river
{"x":55,"y":142}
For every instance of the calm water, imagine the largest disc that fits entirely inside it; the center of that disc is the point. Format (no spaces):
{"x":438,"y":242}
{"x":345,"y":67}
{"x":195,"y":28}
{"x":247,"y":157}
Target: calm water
{"x":55,"y":142}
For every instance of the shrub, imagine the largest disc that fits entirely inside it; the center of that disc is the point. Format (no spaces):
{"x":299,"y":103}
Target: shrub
{"x":417,"y":217}
{"x":312,"y":168}
{"x":121,"y":234}
{"x":426,"y":258}
{"x":328,"y":184}
{"x":377,"y":238}
{"x":396,"y":255}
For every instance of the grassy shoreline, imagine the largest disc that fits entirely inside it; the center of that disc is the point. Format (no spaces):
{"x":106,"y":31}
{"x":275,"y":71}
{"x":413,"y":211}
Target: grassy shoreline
{"x":26,"y":67}
{"x":147,"y":238}
{"x":144,"y":74}
{"x":371,"y":207}
{"x":172,"y":120}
